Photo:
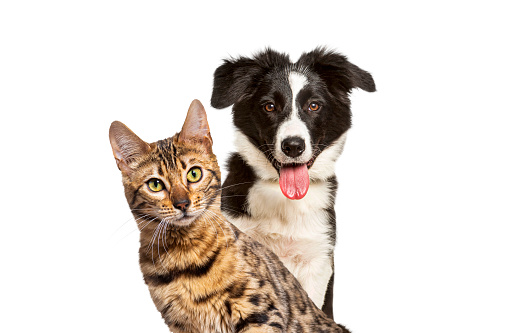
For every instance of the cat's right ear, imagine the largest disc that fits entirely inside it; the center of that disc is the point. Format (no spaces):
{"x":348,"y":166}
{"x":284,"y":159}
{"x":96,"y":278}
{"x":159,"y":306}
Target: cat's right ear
{"x":126,"y":146}
{"x":196,"y":126}
{"x":231,"y":80}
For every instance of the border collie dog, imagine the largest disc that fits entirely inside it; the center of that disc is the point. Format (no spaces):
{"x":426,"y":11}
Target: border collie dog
{"x":291,"y":121}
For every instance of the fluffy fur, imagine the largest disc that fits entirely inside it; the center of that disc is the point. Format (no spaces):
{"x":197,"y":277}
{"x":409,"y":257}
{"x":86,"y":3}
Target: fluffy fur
{"x":275,"y":101}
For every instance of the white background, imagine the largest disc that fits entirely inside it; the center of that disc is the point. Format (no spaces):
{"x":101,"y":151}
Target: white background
{"x":428,"y":184}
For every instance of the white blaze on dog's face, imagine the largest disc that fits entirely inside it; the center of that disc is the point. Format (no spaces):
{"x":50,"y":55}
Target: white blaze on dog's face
{"x":293,"y":140}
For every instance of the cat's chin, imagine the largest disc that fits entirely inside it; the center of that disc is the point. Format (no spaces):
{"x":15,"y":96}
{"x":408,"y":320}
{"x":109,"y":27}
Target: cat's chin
{"x":184,"y":221}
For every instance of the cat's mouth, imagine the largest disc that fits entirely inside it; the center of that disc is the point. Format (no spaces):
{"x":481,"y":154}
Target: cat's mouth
{"x":183,"y":220}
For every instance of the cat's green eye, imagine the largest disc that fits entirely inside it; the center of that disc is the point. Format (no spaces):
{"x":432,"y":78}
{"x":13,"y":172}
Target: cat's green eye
{"x":194,"y":175}
{"x":155,"y":185}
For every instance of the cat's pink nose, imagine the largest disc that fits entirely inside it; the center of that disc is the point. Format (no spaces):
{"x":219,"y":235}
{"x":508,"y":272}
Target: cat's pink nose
{"x":182,"y":204}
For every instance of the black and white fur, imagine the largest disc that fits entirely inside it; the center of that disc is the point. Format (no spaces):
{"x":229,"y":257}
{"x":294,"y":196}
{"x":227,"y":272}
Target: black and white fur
{"x":301,"y":232}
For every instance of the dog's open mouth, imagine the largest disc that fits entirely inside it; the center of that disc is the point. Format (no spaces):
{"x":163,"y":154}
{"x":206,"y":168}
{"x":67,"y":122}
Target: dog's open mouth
{"x":294,"y":179}
{"x":277,"y":165}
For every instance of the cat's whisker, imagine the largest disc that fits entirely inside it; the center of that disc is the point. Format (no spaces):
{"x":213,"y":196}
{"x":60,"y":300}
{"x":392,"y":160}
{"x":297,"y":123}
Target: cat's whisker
{"x":140,"y":217}
{"x":162,"y":230}
{"x":225,"y":187}
{"x":143,"y":219}
{"x":137,"y":226}
{"x":228,"y":186}
{"x":123,"y":224}
{"x":164,"y":237}
{"x":230,"y":209}
{"x":206,"y":200}
{"x":217,"y":217}
{"x":141,"y":211}
{"x":151,"y":245}
{"x":214,"y":217}
{"x":157,"y":239}
{"x":203,"y":201}
{"x":215,"y":229}
{"x":234,"y":195}
{"x":149,"y":222}
{"x":136,"y":219}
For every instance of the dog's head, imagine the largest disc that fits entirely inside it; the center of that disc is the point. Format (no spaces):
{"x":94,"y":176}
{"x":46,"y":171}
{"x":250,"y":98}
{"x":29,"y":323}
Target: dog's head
{"x":290,"y":112}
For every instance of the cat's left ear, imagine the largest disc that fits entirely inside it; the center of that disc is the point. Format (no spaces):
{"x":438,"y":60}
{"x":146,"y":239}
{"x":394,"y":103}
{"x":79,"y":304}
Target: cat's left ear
{"x":126,"y":145}
{"x":195,"y":126}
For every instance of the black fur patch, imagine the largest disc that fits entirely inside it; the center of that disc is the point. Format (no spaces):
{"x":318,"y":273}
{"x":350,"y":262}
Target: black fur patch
{"x":329,"y":298}
{"x":236,"y":291}
{"x":255,"y":299}
{"x":276,"y":325}
{"x":254,"y":318}
{"x":234,"y":196}
{"x":159,"y":279}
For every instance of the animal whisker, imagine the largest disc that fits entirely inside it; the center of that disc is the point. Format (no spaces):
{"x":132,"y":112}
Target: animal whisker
{"x":215,"y":229}
{"x":153,"y":239}
{"x":228,"y":186}
{"x":215,"y":217}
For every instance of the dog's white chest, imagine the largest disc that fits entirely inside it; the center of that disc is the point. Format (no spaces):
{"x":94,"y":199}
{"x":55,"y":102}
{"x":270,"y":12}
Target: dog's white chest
{"x":296,"y":230}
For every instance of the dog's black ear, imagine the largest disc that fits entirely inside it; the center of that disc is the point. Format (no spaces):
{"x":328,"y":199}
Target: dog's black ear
{"x":361,"y":78}
{"x":336,"y":70}
{"x":236,"y":78}
{"x":231,"y":81}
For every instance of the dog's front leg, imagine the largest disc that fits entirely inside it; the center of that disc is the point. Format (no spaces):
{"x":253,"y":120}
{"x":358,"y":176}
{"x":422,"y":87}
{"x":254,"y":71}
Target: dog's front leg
{"x":314,"y":276}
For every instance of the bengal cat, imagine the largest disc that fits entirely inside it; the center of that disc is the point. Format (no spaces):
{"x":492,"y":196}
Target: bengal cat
{"x":204,"y":275}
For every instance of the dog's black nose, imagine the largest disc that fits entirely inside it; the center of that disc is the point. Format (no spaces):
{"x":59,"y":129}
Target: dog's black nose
{"x":293,"y":146}
{"x":182,"y":204}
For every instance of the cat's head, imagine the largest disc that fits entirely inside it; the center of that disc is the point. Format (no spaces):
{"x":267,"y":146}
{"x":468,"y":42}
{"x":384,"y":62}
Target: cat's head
{"x":174,"y":180}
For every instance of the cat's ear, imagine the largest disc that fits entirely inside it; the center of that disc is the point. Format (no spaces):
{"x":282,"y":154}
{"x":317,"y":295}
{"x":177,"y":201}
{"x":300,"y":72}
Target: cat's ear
{"x":195,"y":126}
{"x":126,"y":145}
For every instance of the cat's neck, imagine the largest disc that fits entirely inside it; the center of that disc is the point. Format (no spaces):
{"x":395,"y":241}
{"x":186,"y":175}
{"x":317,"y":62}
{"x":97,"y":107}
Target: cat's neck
{"x":167,"y":247}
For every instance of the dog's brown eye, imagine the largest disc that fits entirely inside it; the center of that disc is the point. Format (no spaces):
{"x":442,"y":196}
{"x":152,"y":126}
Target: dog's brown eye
{"x":269,"y":107}
{"x":314,"y":106}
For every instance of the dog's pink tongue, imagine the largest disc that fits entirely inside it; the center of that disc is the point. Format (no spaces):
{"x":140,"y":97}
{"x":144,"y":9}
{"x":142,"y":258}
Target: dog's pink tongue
{"x":294,"y":181}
